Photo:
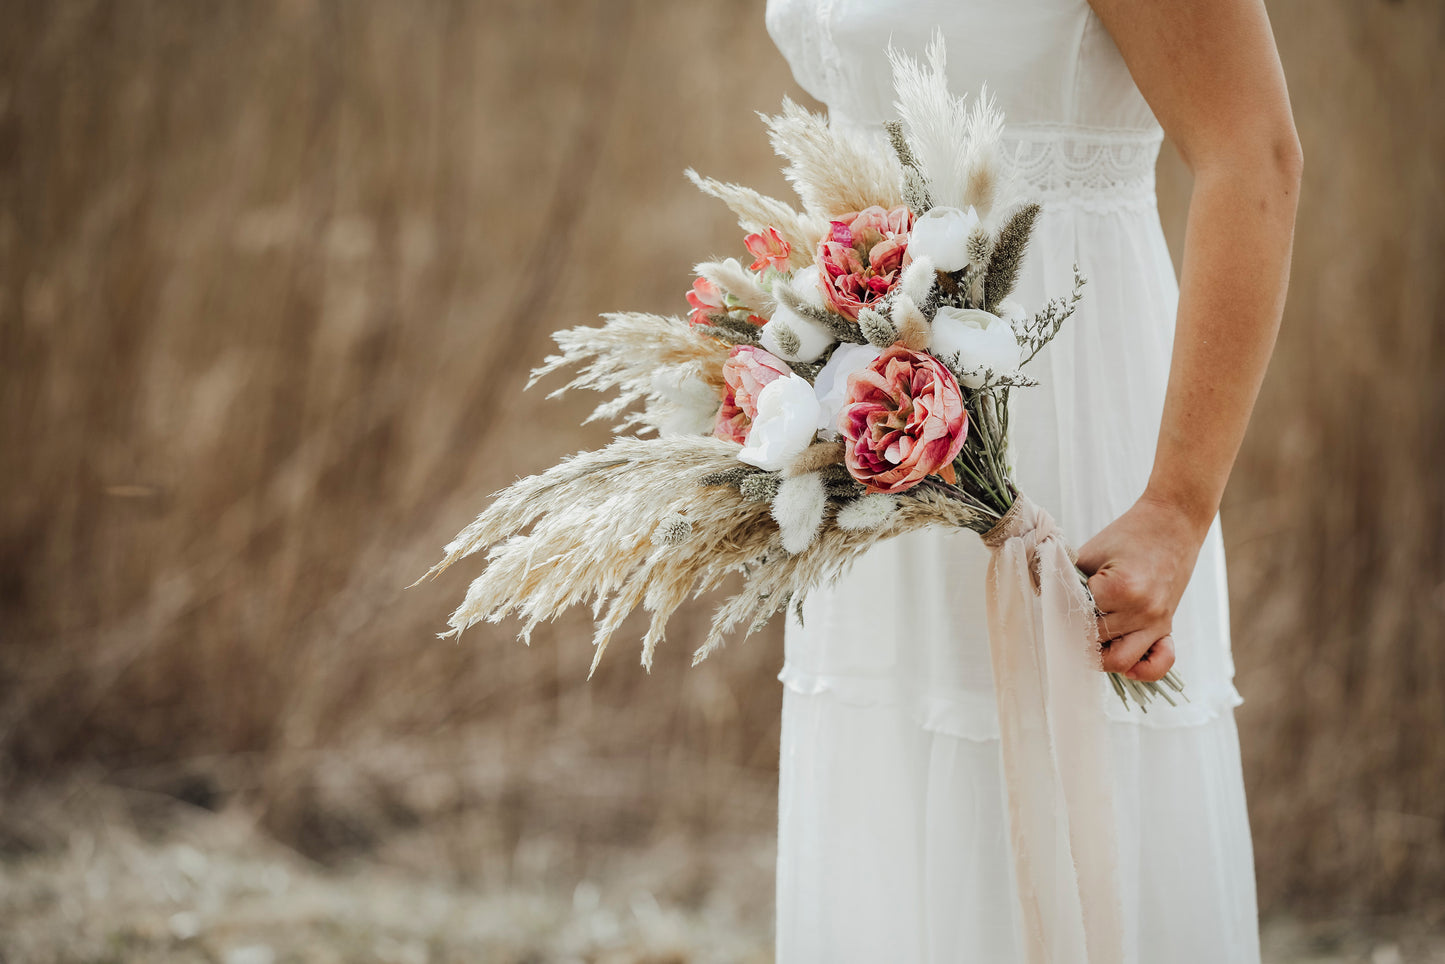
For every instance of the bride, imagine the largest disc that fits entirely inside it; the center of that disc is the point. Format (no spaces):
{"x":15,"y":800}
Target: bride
{"x":892,"y":834}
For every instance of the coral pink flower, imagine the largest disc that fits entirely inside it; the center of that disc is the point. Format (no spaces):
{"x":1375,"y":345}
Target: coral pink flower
{"x":745,"y":372}
{"x":862,"y":257}
{"x":904,"y":419}
{"x":705,"y":298}
{"x":768,"y":248}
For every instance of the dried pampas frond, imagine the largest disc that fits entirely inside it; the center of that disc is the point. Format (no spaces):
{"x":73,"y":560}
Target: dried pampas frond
{"x":592,"y":520}
{"x":628,"y":354}
{"x":983,"y":178}
{"x":613,"y":529}
{"x":834,"y":171}
{"x":789,"y":577}
{"x":756,"y":212}
{"x":955,"y":144}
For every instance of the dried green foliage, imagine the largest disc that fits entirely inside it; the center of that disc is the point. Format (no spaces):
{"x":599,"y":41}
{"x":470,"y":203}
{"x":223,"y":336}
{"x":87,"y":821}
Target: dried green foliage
{"x":1008,"y":254}
{"x":876,"y":328}
{"x":730,"y":328}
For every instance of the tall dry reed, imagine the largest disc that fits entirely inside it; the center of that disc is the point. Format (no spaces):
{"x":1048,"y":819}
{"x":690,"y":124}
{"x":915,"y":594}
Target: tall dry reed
{"x":271,"y":279}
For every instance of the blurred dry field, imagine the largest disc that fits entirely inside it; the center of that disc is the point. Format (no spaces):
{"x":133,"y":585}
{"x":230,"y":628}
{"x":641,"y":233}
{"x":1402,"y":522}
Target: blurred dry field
{"x":271,"y":277}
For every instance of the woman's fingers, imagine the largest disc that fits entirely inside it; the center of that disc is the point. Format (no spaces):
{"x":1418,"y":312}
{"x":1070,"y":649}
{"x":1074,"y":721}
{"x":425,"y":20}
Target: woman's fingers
{"x":1121,"y":608}
{"x":1123,"y":652}
{"x":1133,"y":625}
{"x":1114,"y":625}
{"x":1155,"y":662}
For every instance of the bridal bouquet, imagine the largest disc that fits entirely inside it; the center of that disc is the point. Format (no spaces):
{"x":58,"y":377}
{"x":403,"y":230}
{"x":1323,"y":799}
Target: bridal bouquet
{"x":848,"y":384}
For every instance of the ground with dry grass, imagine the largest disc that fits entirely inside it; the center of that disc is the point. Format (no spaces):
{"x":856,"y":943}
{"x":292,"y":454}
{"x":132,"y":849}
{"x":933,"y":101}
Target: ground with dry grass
{"x":115,"y":877}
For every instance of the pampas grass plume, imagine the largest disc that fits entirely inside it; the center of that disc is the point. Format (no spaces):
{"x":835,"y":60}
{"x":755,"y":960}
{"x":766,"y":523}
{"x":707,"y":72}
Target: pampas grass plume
{"x":834,"y":170}
{"x":955,"y":144}
{"x":756,"y":212}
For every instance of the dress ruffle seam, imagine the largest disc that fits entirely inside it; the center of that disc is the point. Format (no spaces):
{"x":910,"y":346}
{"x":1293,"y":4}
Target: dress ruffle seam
{"x":948,"y":717}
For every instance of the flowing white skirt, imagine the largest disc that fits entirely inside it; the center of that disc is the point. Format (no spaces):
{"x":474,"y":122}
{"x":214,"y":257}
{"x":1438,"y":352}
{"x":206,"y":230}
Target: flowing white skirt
{"x":892,"y":842}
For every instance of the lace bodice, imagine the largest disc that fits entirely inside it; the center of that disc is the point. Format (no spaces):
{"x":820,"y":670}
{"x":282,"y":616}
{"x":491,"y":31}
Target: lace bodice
{"x":1079,"y":132}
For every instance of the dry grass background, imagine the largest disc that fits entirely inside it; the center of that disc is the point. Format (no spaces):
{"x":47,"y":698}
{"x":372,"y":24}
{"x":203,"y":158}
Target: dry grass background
{"x":271,"y":277}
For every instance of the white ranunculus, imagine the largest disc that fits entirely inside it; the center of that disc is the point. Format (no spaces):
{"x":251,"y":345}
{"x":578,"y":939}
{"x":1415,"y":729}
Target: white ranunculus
{"x":813,"y":338}
{"x":831,"y":386}
{"x":941,"y":235}
{"x":807,"y":284}
{"x":971,"y":340}
{"x":784,"y":426}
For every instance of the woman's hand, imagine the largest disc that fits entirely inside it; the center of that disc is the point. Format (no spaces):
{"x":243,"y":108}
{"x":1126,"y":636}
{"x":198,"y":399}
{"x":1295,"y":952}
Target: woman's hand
{"x":1138,"y":567}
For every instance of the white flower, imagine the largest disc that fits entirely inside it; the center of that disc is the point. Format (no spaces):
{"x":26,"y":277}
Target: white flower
{"x":972,"y":340}
{"x":807,"y":284}
{"x":786,"y":421}
{"x":812,"y":338}
{"x":684,"y":404}
{"x":941,"y":235}
{"x":831,"y":385}
{"x":794,"y":338}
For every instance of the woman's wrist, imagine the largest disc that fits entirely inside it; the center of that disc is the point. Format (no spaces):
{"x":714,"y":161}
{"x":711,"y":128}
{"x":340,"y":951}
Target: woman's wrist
{"x":1193,"y":507}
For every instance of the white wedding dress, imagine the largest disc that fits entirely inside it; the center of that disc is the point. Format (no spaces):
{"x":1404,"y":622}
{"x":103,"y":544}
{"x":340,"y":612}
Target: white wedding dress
{"x":892,"y":842}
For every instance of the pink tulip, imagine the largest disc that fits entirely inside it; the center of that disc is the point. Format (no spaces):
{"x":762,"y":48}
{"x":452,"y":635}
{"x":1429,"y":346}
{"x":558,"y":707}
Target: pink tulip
{"x":768,"y":248}
{"x":706,"y":298}
{"x":904,"y":420}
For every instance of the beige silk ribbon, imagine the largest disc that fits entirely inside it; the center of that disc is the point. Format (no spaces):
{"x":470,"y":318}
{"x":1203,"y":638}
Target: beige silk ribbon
{"x":1055,"y":744}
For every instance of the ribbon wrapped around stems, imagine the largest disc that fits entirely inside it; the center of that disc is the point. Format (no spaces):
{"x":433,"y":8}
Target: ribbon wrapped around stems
{"x":1057,"y":764}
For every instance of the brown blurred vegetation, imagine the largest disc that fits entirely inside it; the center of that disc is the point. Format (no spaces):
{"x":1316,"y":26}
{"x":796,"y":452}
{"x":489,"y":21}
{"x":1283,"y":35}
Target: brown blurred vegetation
{"x":271,"y":278}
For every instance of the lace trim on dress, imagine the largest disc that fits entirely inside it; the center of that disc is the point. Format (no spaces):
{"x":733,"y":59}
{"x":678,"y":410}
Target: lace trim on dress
{"x":972,"y":719}
{"x":1103,"y":169}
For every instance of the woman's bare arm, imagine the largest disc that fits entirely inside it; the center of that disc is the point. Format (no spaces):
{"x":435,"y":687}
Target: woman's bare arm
{"x":1211,"y":73}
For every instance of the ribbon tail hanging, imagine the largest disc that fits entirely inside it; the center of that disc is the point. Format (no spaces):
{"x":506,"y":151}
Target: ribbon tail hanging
{"x":1055,"y":745}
